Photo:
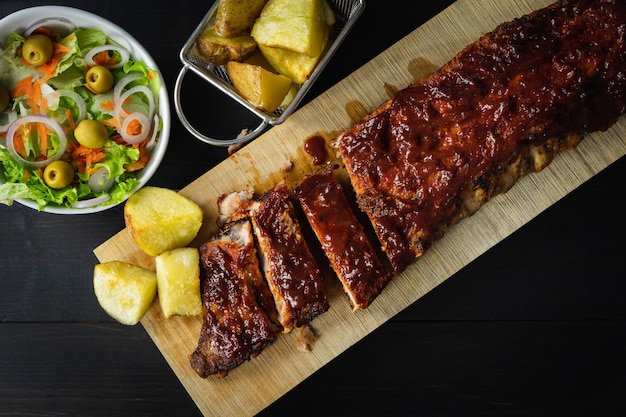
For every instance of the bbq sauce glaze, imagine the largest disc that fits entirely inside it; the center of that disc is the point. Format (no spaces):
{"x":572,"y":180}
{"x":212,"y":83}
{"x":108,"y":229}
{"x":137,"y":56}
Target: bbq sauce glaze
{"x":556,"y":72}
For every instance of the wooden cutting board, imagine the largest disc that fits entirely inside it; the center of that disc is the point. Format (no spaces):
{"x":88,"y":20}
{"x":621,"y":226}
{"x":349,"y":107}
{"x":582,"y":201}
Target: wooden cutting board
{"x":256,"y":384}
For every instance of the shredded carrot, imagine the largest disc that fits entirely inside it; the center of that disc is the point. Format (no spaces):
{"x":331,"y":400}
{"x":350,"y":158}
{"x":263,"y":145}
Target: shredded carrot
{"x":108,"y":105}
{"x":142,"y":161}
{"x":84,"y":158}
{"x":31,"y":89}
{"x":19,"y":144}
{"x":103,"y":58}
{"x":134,"y":127}
{"x":45,"y":31}
{"x":118,"y":139}
{"x":113,"y":122}
{"x":50,"y":67}
{"x":42,"y":132}
{"x":70,"y":119}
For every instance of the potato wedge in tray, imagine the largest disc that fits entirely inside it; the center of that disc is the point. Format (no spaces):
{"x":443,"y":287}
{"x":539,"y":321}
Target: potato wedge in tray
{"x":296,"y":38}
{"x":291,"y":34}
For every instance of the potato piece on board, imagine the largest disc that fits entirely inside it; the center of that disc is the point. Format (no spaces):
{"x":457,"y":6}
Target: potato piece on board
{"x":262,"y":88}
{"x":236,"y":17}
{"x":178,"y":282}
{"x":124,"y":291}
{"x":160,"y":219}
{"x":298,"y":25}
{"x":217,"y":49}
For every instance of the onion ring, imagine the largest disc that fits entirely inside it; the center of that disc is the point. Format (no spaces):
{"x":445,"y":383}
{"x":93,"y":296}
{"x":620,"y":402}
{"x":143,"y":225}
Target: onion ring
{"x":80,"y":103}
{"x":100,"y":181}
{"x":36,"y":118}
{"x":155,"y":127}
{"x":142,"y":135}
{"x":119,"y":112}
{"x":124,"y":54}
{"x":59,"y":25}
{"x":123,"y":82}
{"x":91,"y":202}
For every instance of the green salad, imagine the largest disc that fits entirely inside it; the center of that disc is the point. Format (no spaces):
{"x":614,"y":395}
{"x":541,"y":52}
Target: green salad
{"x":78,"y":117}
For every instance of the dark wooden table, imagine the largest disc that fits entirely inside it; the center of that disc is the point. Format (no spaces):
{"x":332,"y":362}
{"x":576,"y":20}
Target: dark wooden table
{"x":536,"y":326}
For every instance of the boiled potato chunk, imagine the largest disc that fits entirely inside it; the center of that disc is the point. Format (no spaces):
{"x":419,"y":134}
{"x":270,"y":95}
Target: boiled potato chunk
{"x":297,"y":25}
{"x":236,"y":17}
{"x":178,"y":282}
{"x":124,"y":291}
{"x":218,"y":49}
{"x":160,"y":219}
{"x":262,"y":88}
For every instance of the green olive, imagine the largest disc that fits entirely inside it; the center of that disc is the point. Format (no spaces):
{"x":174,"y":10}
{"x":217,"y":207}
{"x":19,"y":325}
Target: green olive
{"x":99,"y":79}
{"x":5,"y":97}
{"x":58,"y":174}
{"x":37,"y":49}
{"x":91,"y":133}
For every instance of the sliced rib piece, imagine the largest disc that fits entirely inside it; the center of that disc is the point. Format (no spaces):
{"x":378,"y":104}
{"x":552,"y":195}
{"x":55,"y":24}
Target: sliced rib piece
{"x":234,"y":328}
{"x":235,"y":207}
{"x":342,"y":237}
{"x":291,"y":271}
{"x":502,"y":107}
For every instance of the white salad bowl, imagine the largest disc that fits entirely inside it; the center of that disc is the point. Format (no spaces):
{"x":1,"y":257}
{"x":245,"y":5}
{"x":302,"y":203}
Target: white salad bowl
{"x":21,"y":20}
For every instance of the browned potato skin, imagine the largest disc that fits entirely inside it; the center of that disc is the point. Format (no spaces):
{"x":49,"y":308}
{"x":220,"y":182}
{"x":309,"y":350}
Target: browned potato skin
{"x":219,"y":50}
{"x":236,"y":17}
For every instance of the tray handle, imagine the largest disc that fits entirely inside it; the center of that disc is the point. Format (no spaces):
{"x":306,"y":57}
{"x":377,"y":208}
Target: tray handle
{"x":207,"y":139}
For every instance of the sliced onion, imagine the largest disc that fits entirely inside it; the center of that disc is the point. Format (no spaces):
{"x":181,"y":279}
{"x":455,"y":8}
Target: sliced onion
{"x":155,"y":127}
{"x":92,"y":201}
{"x":123,"y":82}
{"x":59,"y":25}
{"x":11,"y":116}
{"x":145,"y":128}
{"x":35,"y":118}
{"x":120,"y":113}
{"x":80,"y":102}
{"x":100,"y":180}
{"x":124,"y":55}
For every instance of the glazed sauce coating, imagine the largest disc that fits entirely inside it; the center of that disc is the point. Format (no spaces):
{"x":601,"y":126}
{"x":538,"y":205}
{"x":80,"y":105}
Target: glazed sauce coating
{"x":235,"y":328}
{"x":342,"y":237}
{"x":290,"y":269}
{"x":559,"y":71}
{"x":316,"y":147}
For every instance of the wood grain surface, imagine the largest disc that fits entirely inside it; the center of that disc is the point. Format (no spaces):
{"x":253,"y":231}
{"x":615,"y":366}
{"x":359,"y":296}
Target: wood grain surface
{"x":254,"y":385}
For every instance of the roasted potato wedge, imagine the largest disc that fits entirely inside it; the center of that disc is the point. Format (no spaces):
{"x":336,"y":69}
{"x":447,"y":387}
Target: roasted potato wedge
{"x":296,"y":66}
{"x":236,"y":17}
{"x":160,"y":219}
{"x":262,"y":88}
{"x":291,"y":94}
{"x":178,"y":282}
{"x":124,"y":291}
{"x":219,"y":50}
{"x":297,"y":25}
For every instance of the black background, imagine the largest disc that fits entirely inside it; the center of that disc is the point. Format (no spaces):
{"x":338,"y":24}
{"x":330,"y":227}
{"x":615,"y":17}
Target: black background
{"x":536,"y":326}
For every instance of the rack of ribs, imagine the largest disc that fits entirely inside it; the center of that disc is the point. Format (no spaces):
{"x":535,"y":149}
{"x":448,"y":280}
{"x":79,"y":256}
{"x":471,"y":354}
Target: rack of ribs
{"x":342,"y":237}
{"x":503,"y":107}
{"x":235,"y":328}
{"x":290,"y":269}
